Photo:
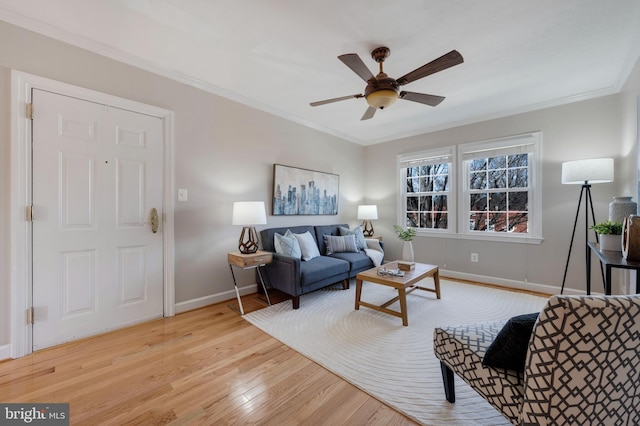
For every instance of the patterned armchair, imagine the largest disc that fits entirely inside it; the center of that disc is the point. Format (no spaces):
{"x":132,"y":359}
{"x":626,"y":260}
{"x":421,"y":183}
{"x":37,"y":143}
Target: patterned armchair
{"x":582,"y":365}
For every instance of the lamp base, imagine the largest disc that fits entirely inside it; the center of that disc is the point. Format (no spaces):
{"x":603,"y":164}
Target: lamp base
{"x":367,"y":228}
{"x":588,"y":202}
{"x":248,"y":243}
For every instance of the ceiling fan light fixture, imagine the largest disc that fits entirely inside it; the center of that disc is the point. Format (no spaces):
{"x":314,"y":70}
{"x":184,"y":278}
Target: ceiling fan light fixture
{"x":383,"y":91}
{"x":382,"y":98}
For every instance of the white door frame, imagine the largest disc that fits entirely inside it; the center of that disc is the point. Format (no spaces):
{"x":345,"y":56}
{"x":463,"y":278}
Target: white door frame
{"x":21,"y":181}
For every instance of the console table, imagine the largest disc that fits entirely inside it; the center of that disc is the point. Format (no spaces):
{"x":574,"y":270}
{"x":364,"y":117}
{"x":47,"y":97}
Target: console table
{"x":611,"y":259}
{"x":248,"y":261}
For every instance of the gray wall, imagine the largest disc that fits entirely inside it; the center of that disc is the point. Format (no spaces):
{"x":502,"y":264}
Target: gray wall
{"x":601,"y":127}
{"x":225,"y":151}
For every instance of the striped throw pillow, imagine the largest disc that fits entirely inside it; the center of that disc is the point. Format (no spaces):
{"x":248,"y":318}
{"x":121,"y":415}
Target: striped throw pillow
{"x":342,"y":244}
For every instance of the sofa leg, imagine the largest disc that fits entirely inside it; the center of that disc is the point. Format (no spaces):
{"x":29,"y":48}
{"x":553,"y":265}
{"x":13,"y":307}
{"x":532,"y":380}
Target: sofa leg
{"x":447,"y":379}
{"x":345,"y":284}
{"x":295,"y":301}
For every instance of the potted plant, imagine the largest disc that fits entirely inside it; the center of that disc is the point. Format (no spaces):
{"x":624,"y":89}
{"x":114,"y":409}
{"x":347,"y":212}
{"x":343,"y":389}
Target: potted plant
{"x":406,"y":235}
{"x":610,"y":235}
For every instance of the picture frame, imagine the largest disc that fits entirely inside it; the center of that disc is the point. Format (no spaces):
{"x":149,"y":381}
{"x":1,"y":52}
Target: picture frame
{"x":300,"y":192}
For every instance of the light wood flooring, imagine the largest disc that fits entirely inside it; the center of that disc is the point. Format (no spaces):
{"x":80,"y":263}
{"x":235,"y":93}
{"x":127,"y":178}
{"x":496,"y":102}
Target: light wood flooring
{"x":203,"y":367}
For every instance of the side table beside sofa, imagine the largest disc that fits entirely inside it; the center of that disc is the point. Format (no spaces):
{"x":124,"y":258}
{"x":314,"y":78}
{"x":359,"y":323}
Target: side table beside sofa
{"x":248,"y":261}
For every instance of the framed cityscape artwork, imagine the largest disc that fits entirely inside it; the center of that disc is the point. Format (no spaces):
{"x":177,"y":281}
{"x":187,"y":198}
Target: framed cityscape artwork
{"x":304,"y":192}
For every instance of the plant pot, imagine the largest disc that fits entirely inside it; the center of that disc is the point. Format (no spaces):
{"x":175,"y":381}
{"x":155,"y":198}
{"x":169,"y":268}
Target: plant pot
{"x":611,"y":242}
{"x":407,"y":251}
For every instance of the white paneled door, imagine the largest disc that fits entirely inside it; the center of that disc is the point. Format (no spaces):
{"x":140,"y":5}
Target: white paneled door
{"x":97,"y":175}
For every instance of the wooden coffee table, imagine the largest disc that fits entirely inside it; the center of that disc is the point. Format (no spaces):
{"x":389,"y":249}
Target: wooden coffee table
{"x":410,"y":279}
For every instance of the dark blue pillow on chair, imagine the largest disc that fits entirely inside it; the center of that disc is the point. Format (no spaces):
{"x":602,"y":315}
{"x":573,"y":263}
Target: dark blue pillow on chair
{"x":509,"y":348}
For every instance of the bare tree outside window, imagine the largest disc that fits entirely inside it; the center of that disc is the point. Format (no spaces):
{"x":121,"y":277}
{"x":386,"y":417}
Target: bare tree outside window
{"x":499,"y":194}
{"x":427,"y":189}
{"x":487,"y":189}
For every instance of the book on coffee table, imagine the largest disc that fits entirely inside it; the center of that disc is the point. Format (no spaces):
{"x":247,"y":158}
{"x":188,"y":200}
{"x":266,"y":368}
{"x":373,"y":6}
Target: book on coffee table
{"x":405,"y":265}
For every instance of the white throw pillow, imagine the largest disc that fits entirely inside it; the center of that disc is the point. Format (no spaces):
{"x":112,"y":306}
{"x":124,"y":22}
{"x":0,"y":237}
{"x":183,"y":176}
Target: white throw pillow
{"x":287,"y":244}
{"x":308,"y":246}
{"x":374,"y":244}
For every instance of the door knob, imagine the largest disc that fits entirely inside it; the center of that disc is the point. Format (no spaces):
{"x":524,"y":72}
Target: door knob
{"x":155,"y":220}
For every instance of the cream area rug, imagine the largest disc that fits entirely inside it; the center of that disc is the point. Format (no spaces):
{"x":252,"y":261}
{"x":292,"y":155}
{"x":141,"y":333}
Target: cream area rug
{"x":395,"y":364}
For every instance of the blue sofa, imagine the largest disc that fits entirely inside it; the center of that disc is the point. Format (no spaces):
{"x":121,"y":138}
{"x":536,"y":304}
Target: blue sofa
{"x":296,"y":277}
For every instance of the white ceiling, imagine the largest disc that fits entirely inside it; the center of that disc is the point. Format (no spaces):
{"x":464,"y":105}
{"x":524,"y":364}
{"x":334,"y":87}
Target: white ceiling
{"x":279,"y":55}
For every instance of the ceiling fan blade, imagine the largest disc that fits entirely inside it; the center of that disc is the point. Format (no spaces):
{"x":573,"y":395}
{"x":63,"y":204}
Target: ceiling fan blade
{"x":343,"y":98}
{"x":442,"y":63}
{"x":368,"y":113}
{"x":353,"y":61}
{"x":422,"y":98}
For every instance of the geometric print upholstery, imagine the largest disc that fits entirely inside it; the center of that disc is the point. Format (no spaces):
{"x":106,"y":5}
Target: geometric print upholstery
{"x":583,"y":362}
{"x":462,"y":348}
{"x":582,"y":366}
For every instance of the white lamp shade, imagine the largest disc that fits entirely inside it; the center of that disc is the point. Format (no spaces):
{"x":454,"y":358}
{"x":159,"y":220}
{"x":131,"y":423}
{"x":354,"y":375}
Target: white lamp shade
{"x":596,"y":170}
{"x":246,"y":213}
{"x":368,"y":212}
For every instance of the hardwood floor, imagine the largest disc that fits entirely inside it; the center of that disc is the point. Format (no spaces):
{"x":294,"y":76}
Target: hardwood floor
{"x":202,"y":367}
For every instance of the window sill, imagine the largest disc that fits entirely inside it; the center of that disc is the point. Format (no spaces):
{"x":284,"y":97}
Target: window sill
{"x":488,"y":237}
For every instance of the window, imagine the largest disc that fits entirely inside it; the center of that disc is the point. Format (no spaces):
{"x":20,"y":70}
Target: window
{"x":426,"y":180}
{"x":496,"y":193}
{"x":498,"y":189}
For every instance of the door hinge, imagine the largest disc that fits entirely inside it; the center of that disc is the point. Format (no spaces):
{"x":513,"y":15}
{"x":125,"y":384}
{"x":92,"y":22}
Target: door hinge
{"x":30,"y":111}
{"x":29,"y":214}
{"x":30,"y":315}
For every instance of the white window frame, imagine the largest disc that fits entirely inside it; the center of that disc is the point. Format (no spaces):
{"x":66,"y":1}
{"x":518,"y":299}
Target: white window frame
{"x":432,"y":156}
{"x":458,"y":195}
{"x":530,"y":143}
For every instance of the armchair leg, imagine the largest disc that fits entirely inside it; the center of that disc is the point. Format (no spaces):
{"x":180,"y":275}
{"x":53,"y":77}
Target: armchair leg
{"x":447,"y":380}
{"x":345,"y":284}
{"x":295,"y":301}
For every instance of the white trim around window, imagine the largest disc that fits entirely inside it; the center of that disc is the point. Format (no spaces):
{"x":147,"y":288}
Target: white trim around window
{"x":428,"y":158}
{"x":458,"y":193}
{"x":530,"y":144}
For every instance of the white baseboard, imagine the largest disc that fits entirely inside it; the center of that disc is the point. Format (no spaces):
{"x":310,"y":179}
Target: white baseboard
{"x":5,"y":352}
{"x":201,"y":302}
{"x":520,"y":285}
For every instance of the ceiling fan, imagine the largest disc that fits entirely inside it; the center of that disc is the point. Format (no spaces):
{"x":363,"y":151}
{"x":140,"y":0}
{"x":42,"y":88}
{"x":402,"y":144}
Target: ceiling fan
{"x":382,"y":90}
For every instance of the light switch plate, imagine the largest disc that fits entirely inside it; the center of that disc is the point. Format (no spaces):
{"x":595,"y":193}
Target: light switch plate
{"x":183,"y":194}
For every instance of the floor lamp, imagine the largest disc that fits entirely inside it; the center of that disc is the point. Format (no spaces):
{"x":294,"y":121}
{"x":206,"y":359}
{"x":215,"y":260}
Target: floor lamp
{"x":585,"y":173}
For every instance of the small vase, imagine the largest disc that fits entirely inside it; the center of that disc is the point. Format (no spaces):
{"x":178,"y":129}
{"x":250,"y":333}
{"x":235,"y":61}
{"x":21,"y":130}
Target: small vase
{"x":407,"y":251}
{"x":620,"y":208}
{"x":611,"y":242}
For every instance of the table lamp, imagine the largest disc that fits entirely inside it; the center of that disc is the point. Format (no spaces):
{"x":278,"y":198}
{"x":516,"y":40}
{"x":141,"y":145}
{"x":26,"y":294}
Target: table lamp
{"x":367,"y":213}
{"x":247,"y":214}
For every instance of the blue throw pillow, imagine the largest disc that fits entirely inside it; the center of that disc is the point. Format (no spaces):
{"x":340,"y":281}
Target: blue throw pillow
{"x":509,"y":348}
{"x":357,"y":231}
{"x":342,"y":244}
